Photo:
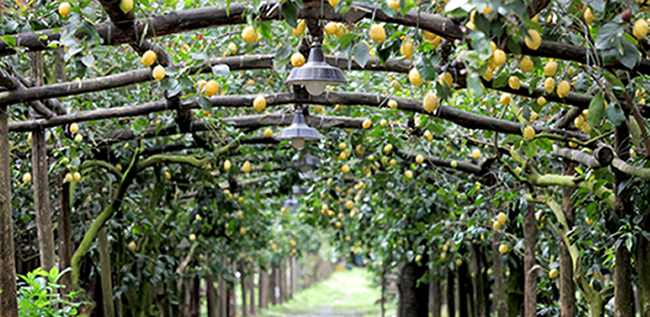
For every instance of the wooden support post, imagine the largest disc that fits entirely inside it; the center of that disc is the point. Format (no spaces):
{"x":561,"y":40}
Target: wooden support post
{"x":567,"y":285}
{"x":623,"y":295}
{"x":8,"y":300}
{"x":106,"y":275}
{"x":499,"y":290}
{"x":530,"y":275}
{"x":244,"y":293}
{"x":64,"y":231}
{"x":479,"y":281}
{"x":211,"y":296}
{"x":451,"y":298}
{"x":274,"y":285}
{"x":222,"y":291}
{"x":251,"y":288}
{"x":263,"y":288}
{"x":232,"y":299}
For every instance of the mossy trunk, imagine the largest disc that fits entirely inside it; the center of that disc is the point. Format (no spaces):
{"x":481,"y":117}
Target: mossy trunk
{"x":567,"y":285}
{"x":530,"y":277}
{"x":414,"y":296}
{"x":514,"y":288}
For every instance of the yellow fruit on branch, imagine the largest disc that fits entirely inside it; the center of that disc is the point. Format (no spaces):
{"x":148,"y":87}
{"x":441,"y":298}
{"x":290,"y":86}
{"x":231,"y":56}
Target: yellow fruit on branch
{"x":419,"y":159}
{"x":406,"y":49}
{"x":550,"y":69}
{"x":333,"y":3}
{"x":529,"y":132}
{"x":505,"y":99}
{"x":158,"y":73}
{"x":349,"y":204}
{"x":640,"y":29}
{"x":392,"y":104}
{"x":514,"y":82}
{"x":549,"y":85}
{"x":299,"y":29}
{"x":168,"y":176}
{"x":246,"y":168}
{"x":476,"y":154}
{"x":428,"y":135}
{"x":553,"y":273}
{"x":408,"y":174}
{"x":588,"y":15}
{"x":192,"y":237}
{"x":227,"y":165}
{"x":586,"y":128}
{"x":68,"y":178}
{"x":443,"y":255}
{"x":345,"y":169}
{"x":415,"y":78}
{"x":501,"y":218}
{"x":446,"y":79}
{"x":563,"y":88}
{"x":211,"y":88}
{"x":366,"y":124}
{"x":579,"y":121}
{"x":394,"y":4}
{"x":430,"y":102}
{"x":503,"y":248}
{"x":383,"y":122}
{"x":259,"y":103}
{"x":74,"y":128}
{"x":249,"y":34}
{"x":76,"y":176}
{"x":488,"y":74}
{"x":132,"y":245}
{"x":342,"y":146}
{"x":148,"y":58}
{"x":64,"y":9}
{"x":297,"y":60}
{"x":268,"y":133}
{"x":525,"y":64}
{"x":126,"y":5}
{"x":499,"y":57}
{"x":541,"y":101}
{"x":533,"y":40}
{"x":331,"y":28}
{"x":388,"y":148}
{"x":377,"y":33}
{"x":27,"y":178}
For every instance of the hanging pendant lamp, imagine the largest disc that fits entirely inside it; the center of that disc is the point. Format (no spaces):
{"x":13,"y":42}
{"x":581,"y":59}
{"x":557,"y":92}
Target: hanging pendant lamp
{"x":299,"y":132}
{"x":316,"y":74}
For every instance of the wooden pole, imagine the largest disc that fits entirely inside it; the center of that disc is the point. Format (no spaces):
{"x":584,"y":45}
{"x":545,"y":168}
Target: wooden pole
{"x":244,"y":293}
{"x":222,"y":291}
{"x":8,"y":300}
{"x":263,"y":288}
{"x":623,"y":295}
{"x":251,"y":287}
{"x":530,"y":276}
{"x":106,"y":275}
{"x":211,"y":296}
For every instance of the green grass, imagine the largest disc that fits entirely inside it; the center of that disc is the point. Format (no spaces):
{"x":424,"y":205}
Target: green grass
{"x":346,"y":293}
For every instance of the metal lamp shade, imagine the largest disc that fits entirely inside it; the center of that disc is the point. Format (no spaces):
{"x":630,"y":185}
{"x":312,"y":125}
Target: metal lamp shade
{"x":299,"y":132}
{"x":316,"y":74}
{"x":306,"y":164}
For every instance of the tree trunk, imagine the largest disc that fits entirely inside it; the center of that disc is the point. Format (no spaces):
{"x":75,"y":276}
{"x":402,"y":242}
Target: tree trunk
{"x":514,"y":288}
{"x":222,"y":291}
{"x":274,"y":285}
{"x":383,"y":291}
{"x":623,"y":295}
{"x":263,"y":288}
{"x":499,"y":284}
{"x":244,"y":293}
{"x":463,"y":290}
{"x":567,"y":285}
{"x":436,"y":294}
{"x":232,"y":299}
{"x":211,"y":296}
{"x":106,"y":274}
{"x":251,"y":288}
{"x":195,"y":297}
{"x":284,"y":290}
{"x":451,"y":303}
{"x":530,"y":276}
{"x":64,"y":232}
{"x":8,"y":300}
{"x":414,"y":297}
{"x":479,"y":281}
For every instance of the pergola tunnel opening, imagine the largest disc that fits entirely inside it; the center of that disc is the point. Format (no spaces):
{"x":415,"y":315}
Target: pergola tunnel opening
{"x":303,"y":157}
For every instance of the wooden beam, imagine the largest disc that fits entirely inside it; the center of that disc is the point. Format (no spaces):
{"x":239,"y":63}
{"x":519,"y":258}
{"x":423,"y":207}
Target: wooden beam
{"x":8,"y":299}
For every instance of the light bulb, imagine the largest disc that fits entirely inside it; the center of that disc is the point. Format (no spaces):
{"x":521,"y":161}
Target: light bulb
{"x":315,"y":88}
{"x":298,"y":143}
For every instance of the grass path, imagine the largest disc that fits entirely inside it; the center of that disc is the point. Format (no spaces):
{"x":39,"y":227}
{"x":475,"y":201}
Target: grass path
{"x":349,"y":293}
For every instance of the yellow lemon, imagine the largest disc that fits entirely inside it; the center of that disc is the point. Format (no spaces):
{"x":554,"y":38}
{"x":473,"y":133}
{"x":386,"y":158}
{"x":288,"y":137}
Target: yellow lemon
{"x":489,"y":73}
{"x":341,"y":29}
{"x":415,"y":78}
{"x":428,"y":35}
{"x":563,"y":89}
{"x":259,"y":103}
{"x":148,"y":58}
{"x":529,"y":132}
{"x":377,"y":33}
{"x":158,"y":73}
{"x":476,"y":154}
{"x":588,"y":15}
{"x":345,"y":169}
{"x":406,"y":49}
{"x":573,"y":144}
{"x":496,"y":225}
{"x":78,"y":138}
{"x":526,"y":64}
{"x":342,"y":146}
{"x":419,"y":159}
{"x":333,"y":3}
{"x":640,"y":29}
{"x":331,"y":28}
{"x":249,"y":34}
{"x":366,"y":124}
{"x":430,"y":102}
{"x":499,"y":57}
{"x":394,"y":4}
{"x":132,"y":245}
{"x":514,"y":82}
{"x":126,"y":5}
{"x":27,"y":178}
{"x":553,"y":273}
{"x":443,"y":255}
{"x":549,"y":85}
{"x":74,"y":128}
{"x":383,"y":122}
{"x":392,"y":104}
{"x":227,"y":165}
{"x":297,"y":60}
{"x":503,"y":248}
{"x":246,"y":168}
{"x":393,"y":162}
{"x":550,"y":69}
{"x":505,"y":99}
{"x":428,"y":135}
{"x":447,"y":79}
{"x":585,"y":114}
{"x":200,"y":84}
{"x":192,"y":237}
{"x":299,"y":29}
{"x":268,"y":133}
{"x":535,"y":19}
{"x":167,"y":175}
{"x":68,"y":177}
{"x":501,"y":218}
{"x":541,"y":101}
{"x":408,"y":174}
{"x":211,"y":88}
{"x":388,"y":148}
{"x":349,"y":204}
{"x":64,"y":9}
{"x":533,"y":40}
{"x":76,"y":176}
{"x":586,"y":128}
{"x":579,"y":121}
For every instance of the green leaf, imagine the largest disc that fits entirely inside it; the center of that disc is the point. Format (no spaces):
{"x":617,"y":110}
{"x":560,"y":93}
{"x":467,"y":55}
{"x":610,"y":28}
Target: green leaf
{"x":362,"y":54}
{"x":630,"y":56}
{"x":426,"y":68}
{"x":612,"y":79}
{"x":474,"y":84}
{"x":290,"y":14}
{"x":500,"y":81}
{"x":221,"y":70}
{"x":596,"y":109}
{"x":607,"y":34}
{"x":205,"y":103}
{"x":614,"y":114}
